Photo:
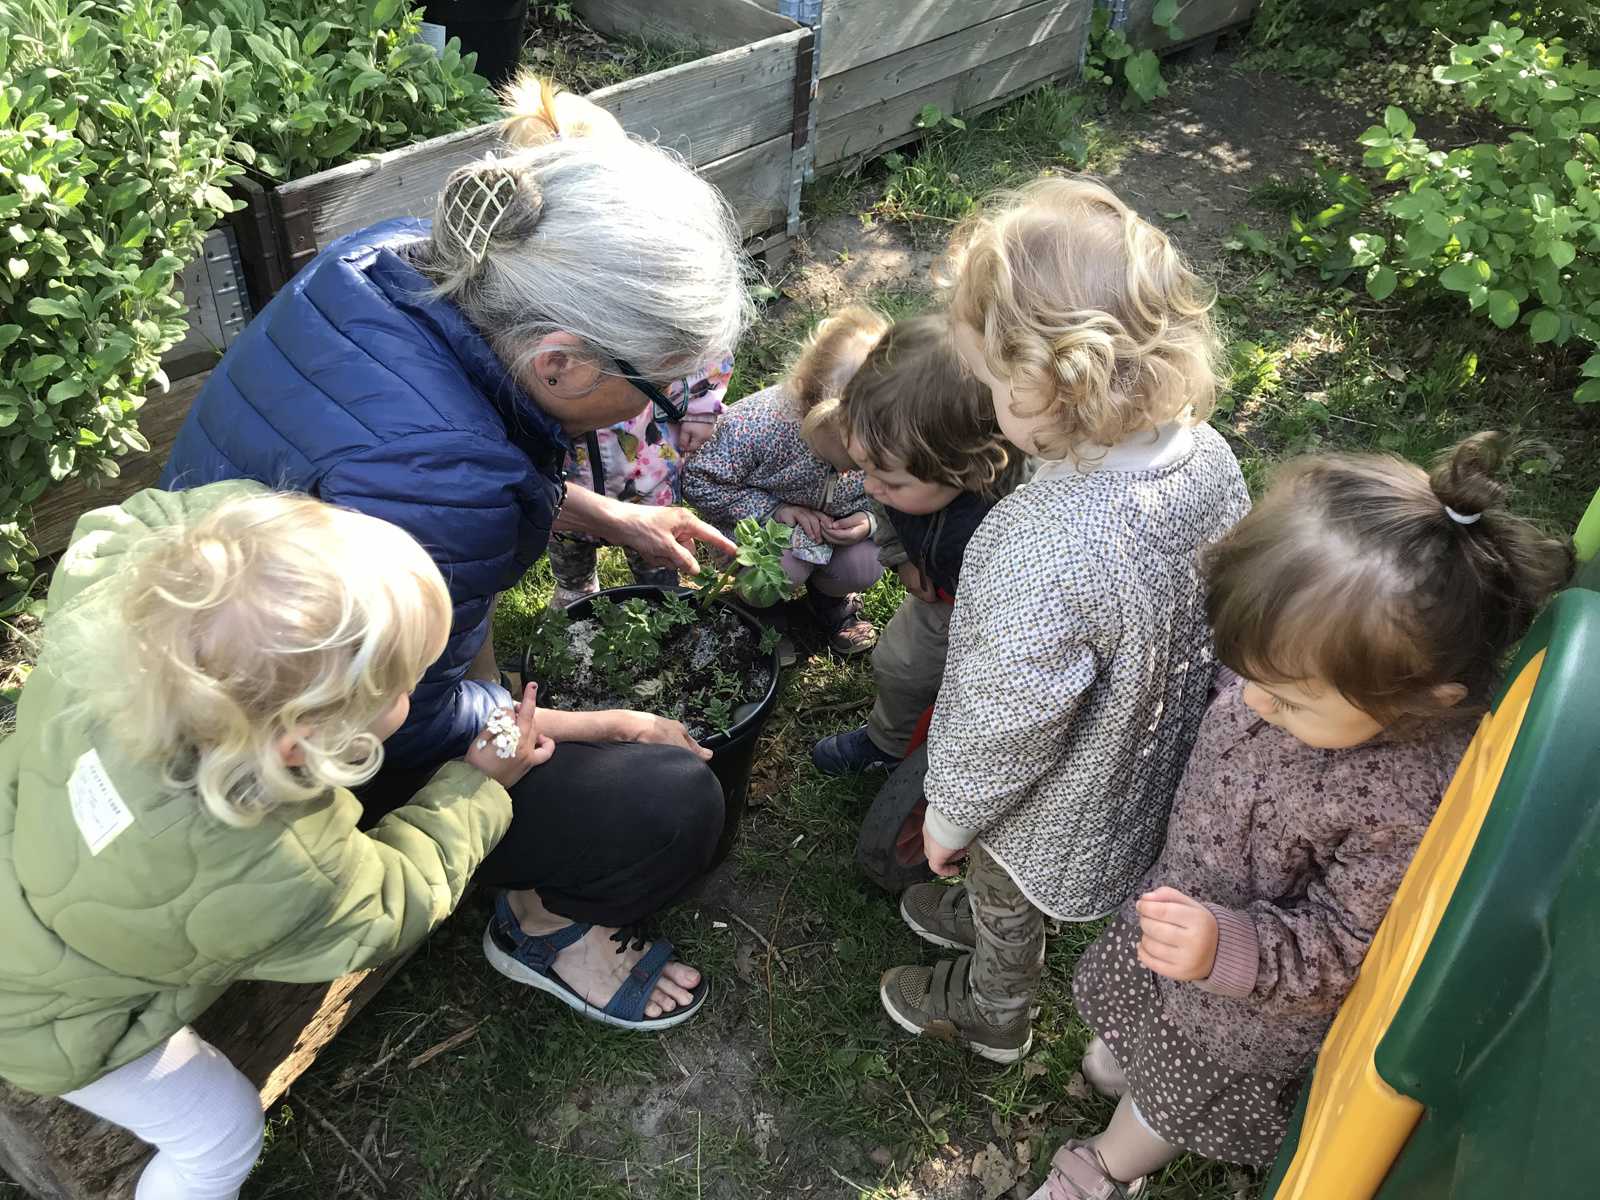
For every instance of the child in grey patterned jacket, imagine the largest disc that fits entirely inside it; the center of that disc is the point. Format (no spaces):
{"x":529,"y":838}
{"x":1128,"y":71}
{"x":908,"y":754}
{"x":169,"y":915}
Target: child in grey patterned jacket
{"x":781,"y":454}
{"x":1079,"y":662}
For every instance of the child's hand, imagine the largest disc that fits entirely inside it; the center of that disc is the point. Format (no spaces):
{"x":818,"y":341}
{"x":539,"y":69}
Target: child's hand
{"x":847,"y":531}
{"x":1178,"y":935}
{"x":942,"y":859}
{"x":808,"y":520}
{"x":532,"y":747}
{"x":694,"y":432}
{"x":917,"y":583}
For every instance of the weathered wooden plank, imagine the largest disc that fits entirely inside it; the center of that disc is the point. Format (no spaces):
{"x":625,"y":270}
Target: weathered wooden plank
{"x":885,"y":78}
{"x":756,"y":183}
{"x":57,"y":1152}
{"x":58,"y":510}
{"x":705,"y":107}
{"x":397,"y":183}
{"x":1196,"y":19}
{"x":877,"y":126}
{"x":270,"y":1031}
{"x":858,"y":31}
{"x":274,"y":1031}
{"x":715,"y":107}
{"x":712,"y":24}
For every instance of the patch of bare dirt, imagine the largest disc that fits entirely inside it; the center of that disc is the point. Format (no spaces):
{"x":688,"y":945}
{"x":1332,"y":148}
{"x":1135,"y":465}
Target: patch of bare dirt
{"x":1222,"y":133}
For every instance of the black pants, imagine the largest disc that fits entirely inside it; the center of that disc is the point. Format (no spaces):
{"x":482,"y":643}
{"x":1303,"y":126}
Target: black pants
{"x":606,"y":833}
{"x":495,"y":29}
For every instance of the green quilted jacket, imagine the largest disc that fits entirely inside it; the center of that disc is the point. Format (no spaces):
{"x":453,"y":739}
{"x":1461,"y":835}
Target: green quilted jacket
{"x":125,"y":909}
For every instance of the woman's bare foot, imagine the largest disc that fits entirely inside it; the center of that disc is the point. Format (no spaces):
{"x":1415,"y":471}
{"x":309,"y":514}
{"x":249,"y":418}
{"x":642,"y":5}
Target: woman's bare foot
{"x":593,"y":967}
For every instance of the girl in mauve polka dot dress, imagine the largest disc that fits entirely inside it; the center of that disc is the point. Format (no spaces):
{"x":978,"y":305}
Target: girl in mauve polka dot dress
{"x":1364,"y":607}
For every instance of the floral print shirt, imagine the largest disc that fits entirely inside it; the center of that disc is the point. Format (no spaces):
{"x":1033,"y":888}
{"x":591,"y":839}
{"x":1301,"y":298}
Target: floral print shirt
{"x":637,"y":460}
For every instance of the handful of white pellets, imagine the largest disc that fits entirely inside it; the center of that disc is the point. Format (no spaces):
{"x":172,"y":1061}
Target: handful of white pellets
{"x":502,"y":728}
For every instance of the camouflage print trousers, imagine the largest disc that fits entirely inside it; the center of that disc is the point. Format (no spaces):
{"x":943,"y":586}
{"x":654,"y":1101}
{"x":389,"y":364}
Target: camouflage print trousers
{"x":1009,"y":956}
{"x":574,"y":564}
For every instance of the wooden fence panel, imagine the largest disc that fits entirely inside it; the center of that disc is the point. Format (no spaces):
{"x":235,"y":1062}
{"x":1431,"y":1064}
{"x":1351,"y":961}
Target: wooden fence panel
{"x":1196,"y":19}
{"x":858,"y":31}
{"x":885,"y":78}
{"x":709,"y":110}
{"x":718,"y":106}
{"x":715,"y":24}
{"x":756,"y":183}
{"x":58,"y":510}
{"x":880,"y":125}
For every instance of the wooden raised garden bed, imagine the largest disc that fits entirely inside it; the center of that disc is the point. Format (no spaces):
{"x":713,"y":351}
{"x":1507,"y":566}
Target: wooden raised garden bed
{"x":883,"y":61}
{"x":738,"y":115}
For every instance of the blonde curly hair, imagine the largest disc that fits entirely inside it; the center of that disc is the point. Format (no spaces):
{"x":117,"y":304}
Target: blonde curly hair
{"x":273,"y":616}
{"x":822,"y":370}
{"x":1087,"y":310}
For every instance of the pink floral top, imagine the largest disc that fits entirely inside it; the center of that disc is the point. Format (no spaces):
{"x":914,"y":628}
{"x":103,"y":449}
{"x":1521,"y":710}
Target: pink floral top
{"x":637,"y":460}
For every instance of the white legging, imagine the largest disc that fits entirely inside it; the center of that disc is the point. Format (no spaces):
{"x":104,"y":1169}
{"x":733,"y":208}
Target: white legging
{"x":188,"y":1101}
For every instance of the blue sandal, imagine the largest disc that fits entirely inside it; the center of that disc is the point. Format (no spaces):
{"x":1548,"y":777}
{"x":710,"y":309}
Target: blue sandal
{"x":531,"y":961}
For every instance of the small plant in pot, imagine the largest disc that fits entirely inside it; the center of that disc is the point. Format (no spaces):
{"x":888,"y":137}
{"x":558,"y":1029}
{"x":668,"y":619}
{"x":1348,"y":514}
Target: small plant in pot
{"x":692,"y":654}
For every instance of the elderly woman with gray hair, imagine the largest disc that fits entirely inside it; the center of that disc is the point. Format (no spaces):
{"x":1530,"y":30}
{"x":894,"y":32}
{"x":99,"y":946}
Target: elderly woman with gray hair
{"x":433,"y":375}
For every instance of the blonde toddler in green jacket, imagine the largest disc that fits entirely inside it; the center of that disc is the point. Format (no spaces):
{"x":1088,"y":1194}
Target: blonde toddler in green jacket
{"x":218,"y":668}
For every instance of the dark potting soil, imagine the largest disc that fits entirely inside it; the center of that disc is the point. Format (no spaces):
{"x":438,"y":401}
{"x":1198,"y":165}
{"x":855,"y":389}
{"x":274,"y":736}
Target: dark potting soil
{"x":710,"y":675}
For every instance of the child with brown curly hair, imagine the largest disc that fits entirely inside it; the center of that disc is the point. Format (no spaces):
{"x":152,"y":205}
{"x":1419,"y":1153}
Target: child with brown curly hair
{"x":1080,"y":663}
{"x":923,"y":428}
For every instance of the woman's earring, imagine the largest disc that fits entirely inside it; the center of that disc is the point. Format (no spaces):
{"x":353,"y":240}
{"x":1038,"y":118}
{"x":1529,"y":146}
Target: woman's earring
{"x":551,"y":380}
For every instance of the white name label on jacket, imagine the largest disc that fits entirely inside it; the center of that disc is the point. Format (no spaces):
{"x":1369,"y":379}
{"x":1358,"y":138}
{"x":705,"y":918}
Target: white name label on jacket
{"x":96,"y":807}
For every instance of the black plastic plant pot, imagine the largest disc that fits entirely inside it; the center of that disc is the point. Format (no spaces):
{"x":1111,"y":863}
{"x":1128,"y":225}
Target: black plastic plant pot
{"x":733,"y":752}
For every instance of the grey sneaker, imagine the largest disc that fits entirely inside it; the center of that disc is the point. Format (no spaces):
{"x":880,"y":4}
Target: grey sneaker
{"x":563,"y":596}
{"x":936,"y":1003}
{"x":941,"y":914}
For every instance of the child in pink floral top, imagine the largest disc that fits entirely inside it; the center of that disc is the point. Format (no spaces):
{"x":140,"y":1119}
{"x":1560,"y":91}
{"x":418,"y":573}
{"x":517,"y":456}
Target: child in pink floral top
{"x":1365,"y":607}
{"x":640,"y":461}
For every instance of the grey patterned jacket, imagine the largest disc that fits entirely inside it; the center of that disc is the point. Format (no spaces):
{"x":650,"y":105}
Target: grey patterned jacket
{"x":757,"y":460}
{"x":1080,"y":665}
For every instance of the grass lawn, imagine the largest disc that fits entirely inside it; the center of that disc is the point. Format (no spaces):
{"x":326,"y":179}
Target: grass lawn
{"x":793,"y":1083}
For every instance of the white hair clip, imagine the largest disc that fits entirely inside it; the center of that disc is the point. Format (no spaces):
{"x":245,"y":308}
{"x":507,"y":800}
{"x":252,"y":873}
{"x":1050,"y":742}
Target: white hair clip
{"x":477,"y":206}
{"x":502,"y":727}
{"x":1463,"y":518}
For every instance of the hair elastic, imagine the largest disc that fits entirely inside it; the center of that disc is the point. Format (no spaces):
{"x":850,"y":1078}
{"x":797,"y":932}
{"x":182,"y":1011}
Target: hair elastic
{"x":1463,"y":518}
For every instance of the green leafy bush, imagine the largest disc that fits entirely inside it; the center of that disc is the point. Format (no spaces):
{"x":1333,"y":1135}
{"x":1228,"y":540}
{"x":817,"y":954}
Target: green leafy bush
{"x":113,"y":139}
{"x":321,"y":91}
{"x":1513,"y":226}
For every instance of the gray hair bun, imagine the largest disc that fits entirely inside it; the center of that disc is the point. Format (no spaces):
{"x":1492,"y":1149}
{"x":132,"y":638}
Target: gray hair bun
{"x":485,"y":204}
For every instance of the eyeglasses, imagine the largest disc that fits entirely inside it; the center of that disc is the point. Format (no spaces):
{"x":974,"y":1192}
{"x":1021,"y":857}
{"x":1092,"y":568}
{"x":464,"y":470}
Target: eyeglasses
{"x":674,"y":410}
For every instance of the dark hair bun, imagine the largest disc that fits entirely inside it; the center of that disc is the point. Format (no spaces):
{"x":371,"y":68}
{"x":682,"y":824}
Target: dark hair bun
{"x":1465,"y":478}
